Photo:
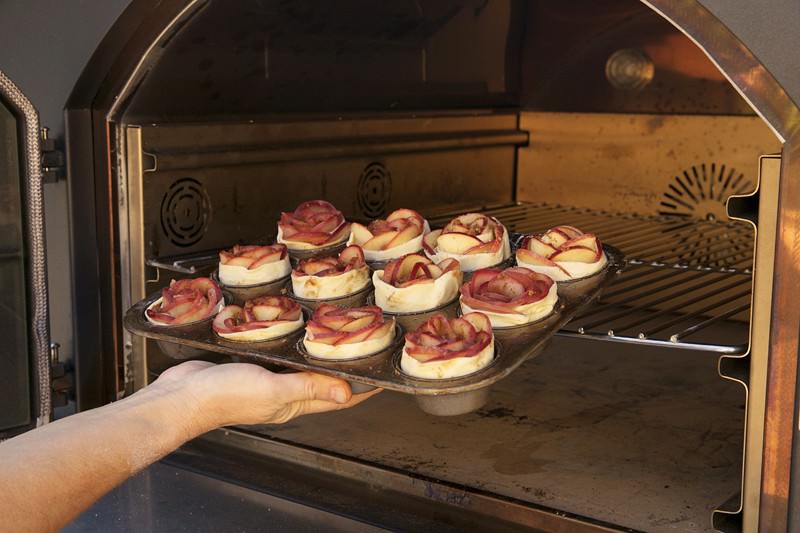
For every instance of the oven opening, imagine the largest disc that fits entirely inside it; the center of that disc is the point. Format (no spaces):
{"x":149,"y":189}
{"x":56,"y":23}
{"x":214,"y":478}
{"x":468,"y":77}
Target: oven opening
{"x":540,"y":114}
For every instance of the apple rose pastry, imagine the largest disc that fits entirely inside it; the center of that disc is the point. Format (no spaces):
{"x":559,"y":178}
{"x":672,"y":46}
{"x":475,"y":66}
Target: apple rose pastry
{"x":414,"y":283}
{"x":260,"y":319}
{"x":509,"y":297}
{"x":245,"y":265}
{"x":347,"y":332}
{"x":185,"y":301}
{"x":331,"y":277}
{"x":314,"y":224}
{"x":400,"y":234}
{"x":564,"y":253}
{"x":475,"y":240}
{"x":444,"y":348}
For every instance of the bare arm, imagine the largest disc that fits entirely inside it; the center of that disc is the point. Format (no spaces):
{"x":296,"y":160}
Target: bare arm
{"x":49,"y":475}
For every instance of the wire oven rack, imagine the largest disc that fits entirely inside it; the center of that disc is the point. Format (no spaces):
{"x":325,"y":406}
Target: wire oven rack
{"x":688,"y":282}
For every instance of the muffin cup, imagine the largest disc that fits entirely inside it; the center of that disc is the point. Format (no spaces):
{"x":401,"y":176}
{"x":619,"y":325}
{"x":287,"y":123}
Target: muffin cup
{"x":296,"y":256}
{"x":356,"y":299}
{"x":411,"y":321}
{"x":188,"y":331}
{"x":365,"y":361}
{"x":455,"y":403}
{"x":239,"y":294}
{"x":506,"y":263}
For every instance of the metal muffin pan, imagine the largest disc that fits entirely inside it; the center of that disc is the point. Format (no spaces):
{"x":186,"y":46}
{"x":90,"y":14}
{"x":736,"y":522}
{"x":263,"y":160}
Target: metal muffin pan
{"x":448,"y":396}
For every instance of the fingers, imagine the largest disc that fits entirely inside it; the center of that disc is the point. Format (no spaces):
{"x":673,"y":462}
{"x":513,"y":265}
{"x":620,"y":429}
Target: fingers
{"x":323,"y":406}
{"x":306,"y":386}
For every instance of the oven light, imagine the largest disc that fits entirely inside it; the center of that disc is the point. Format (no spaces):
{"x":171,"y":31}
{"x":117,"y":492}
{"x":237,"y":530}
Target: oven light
{"x":629,"y":68}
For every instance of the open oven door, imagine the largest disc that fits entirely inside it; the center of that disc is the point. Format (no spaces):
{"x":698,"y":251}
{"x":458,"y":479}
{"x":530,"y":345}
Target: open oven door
{"x":24,"y":333}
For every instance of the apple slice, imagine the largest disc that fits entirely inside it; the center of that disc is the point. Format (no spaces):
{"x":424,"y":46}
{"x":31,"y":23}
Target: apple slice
{"x":352,"y":255}
{"x":409,"y":232}
{"x":580,"y":255}
{"x":420,"y":270}
{"x":479,"y":321}
{"x":538,"y":246}
{"x":266,"y":312}
{"x":383,"y":329}
{"x":449,"y":264}
{"x":430,"y":240}
{"x":240,"y":262}
{"x":555,"y":237}
{"x":360,"y":233}
{"x":587,"y":240}
{"x":358,"y":323}
{"x":434,"y":271}
{"x":570,"y":231}
{"x":404,"y":213}
{"x":532,"y":258}
{"x":457,"y":243}
{"x":268,"y":258}
{"x":380,"y":241}
{"x":407,"y":265}
{"x":359,"y":335}
{"x":485,"y":248}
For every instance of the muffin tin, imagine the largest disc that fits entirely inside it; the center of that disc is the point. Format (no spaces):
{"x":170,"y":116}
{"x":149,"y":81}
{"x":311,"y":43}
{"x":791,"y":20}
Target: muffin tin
{"x":513,"y":346}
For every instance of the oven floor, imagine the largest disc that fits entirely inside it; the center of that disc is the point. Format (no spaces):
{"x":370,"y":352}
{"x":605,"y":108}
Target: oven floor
{"x":649,"y":439}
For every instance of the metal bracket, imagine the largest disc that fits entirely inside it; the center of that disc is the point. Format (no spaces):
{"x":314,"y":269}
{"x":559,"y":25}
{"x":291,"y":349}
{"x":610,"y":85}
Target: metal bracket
{"x":62,"y":380}
{"x":53,"y":159}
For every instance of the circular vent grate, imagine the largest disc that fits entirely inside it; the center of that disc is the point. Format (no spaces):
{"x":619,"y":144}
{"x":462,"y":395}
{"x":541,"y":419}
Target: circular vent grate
{"x":701,"y":192}
{"x":374,"y":190}
{"x":185,"y":212}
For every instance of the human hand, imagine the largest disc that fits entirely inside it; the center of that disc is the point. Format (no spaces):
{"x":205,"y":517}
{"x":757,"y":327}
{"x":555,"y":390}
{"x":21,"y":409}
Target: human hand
{"x":243,"y":393}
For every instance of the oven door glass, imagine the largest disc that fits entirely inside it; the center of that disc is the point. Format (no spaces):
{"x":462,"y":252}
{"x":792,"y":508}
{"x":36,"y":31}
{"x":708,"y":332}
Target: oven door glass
{"x":24,"y":402}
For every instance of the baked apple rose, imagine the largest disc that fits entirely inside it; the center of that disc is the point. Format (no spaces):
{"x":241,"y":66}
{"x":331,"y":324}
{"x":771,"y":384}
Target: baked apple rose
{"x":444,"y":348}
{"x":347,"y":332}
{"x":477,"y":241}
{"x":245,"y":265}
{"x":185,"y":301}
{"x":331,"y":277}
{"x":314,"y":224}
{"x":564,"y":253}
{"x":263,"y":318}
{"x":400,"y":234}
{"x":509,"y":297}
{"x":414,"y":283}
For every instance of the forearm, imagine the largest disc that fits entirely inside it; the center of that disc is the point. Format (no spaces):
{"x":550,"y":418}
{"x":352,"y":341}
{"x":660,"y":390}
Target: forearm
{"x":48,"y":477}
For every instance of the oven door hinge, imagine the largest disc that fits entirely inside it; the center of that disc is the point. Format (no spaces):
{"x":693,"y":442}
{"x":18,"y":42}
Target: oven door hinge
{"x":53,"y":160}
{"x":62,"y":378}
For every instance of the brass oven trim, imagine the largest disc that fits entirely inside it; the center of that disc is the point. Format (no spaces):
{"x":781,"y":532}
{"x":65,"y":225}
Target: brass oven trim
{"x":132,"y":250}
{"x":735,"y":367}
{"x":784,"y":342}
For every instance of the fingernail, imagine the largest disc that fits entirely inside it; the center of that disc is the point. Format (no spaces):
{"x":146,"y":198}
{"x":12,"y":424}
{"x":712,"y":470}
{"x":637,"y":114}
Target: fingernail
{"x":338,"y":395}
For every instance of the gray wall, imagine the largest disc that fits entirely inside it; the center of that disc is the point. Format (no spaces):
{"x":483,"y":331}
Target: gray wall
{"x":44,"y":45}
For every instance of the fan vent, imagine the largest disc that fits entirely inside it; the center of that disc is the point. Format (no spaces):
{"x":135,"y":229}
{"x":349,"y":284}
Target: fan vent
{"x":374,"y":190}
{"x":185,"y":212}
{"x":700,"y":192}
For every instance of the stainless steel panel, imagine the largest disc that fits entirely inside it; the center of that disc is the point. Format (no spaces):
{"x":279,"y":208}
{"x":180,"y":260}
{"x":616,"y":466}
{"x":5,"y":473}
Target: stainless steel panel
{"x":646,"y":164}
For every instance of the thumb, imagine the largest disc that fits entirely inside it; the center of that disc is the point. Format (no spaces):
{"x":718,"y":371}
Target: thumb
{"x":307,"y":386}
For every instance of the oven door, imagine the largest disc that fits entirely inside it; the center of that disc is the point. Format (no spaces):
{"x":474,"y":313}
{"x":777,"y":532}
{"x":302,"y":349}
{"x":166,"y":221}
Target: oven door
{"x":24,"y":336}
